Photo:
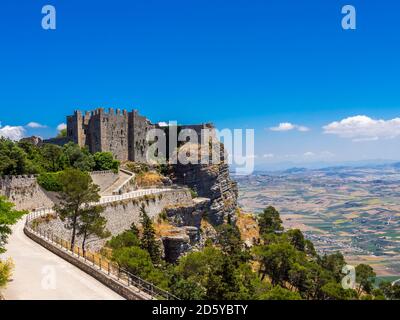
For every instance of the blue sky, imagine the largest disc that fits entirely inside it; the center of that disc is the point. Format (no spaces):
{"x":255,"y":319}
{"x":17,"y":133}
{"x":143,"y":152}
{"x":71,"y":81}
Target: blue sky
{"x":239,"y":64}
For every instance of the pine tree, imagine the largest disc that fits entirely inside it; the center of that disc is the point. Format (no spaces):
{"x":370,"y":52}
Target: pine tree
{"x":148,"y":240}
{"x":78,"y":191}
{"x":91,"y":223}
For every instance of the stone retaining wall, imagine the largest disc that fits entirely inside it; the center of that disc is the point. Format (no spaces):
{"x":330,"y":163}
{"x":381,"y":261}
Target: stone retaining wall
{"x":121,"y":214}
{"x":25,"y":192}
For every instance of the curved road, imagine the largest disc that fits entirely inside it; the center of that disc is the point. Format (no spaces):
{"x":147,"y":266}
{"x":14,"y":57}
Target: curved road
{"x":41,"y":275}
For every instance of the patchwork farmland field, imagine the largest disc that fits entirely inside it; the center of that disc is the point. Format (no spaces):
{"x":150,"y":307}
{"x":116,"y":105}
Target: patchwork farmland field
{"x":354,"y":210}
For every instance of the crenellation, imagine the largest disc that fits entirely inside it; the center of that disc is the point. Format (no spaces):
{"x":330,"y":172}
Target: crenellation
{"x":118,"y":131}
{"x":121,"y":132}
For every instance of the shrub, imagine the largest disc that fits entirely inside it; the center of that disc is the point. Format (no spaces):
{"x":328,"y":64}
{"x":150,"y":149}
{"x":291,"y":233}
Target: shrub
{"x":105,"y":161}
{"x":149,"y":179}
{"x":193,"y":193}
{"x":5,"y":271}
{"x":50,"y":181}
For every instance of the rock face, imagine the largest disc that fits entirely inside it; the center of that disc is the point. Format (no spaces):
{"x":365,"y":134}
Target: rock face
{"x":189,"y":215}
{"x":175,"y":246}
{"x":210,"y":181}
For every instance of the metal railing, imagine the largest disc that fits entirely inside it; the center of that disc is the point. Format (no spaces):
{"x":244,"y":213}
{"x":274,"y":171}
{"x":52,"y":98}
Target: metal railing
{"x":132,"y":195}
{"x":94,"y":260}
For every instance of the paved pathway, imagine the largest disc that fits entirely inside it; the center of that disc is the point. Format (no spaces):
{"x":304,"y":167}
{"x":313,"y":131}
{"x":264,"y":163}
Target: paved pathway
{"x":36,"y":268}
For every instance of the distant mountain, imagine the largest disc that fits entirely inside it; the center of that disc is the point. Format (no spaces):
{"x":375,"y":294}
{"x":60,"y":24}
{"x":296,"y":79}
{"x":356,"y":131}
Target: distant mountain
{"x":290,"y":167}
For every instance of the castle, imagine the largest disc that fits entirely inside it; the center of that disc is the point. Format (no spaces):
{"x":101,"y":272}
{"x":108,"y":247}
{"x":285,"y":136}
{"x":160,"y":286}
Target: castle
{"x":118,"y":131}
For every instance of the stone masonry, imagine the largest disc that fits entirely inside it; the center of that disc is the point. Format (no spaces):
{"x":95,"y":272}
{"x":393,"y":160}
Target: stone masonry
{"x":118,"y":131}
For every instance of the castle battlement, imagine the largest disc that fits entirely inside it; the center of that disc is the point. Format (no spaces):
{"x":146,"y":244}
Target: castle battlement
{"x":115,"y":130}
{"x":118,"y":131}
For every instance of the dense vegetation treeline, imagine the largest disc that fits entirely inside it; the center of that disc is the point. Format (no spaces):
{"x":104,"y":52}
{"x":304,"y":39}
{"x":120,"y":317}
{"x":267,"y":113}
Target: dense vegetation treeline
{"x":49,"y":160}
{"x":17,"y":158}
{"x":283,"y":265}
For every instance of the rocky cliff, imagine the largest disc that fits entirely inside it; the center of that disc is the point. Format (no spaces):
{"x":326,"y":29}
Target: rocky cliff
{"x":210,"y":181}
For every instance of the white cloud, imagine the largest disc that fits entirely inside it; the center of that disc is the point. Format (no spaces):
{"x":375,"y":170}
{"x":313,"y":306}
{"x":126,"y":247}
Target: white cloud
{"x":363,"y":128}
{"x":61,"y":126}
{"x":309,"y":154}
{"x":268,"y":155}
{"x":14,"y":133}
{"x":303,"y":128}
{"x":287,"y":126}
{"x":35,"y":125}
{"x":283,"y":126}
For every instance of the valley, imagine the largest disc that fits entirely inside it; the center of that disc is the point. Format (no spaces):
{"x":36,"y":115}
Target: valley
{"x":355,"y":210}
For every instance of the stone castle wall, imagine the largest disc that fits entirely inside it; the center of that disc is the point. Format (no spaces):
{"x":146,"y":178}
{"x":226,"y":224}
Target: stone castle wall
{"x":120,"y":132}
{"x":25,"y":192}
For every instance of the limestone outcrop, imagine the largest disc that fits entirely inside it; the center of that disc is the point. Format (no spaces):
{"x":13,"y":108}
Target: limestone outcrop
{"x":210,"y":181}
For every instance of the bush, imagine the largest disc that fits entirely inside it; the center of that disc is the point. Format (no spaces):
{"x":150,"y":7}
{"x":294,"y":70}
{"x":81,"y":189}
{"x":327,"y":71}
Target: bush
{"x":105,"y":161}
{"x":149,"y":179}
{"x":50,"y":181}
{"x":193,"y":193}
{"x":5,"y":271}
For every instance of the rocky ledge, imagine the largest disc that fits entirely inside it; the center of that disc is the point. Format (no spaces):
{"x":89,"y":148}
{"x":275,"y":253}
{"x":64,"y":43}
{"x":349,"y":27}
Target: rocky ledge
{"x":210,"y":181}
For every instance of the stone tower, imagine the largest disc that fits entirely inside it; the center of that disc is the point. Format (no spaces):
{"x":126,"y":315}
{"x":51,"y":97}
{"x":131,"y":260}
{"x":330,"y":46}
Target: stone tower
{"x":120,"y":132}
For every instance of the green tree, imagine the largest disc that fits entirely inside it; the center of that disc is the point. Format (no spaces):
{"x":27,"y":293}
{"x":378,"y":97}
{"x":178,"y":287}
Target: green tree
{"x":52,"y":153}
{"x":276,"y":261}
{"x":279,"y":293}
{"x":222,"y":283}
{"x":365,"y":278}
{"x":78,"y":192}
{"x":8,"y":217}
{"x":391,"y":291}
{"x":105,"y":161}
{"x":50,"y":181}
{"x":297,"y":239}
{"x":77,"y":157}
{"x":269,"y":221}
{"x":187,"y":289}
{"x":62,"y":133}
{"x":229,"y":239}
{"x":125,"y":239}
{"x":334,"y":291}
{"x":91,"y":223}
{"x":334,"y":263}
{"x":148,"y":240}
{"x":310,"y":249}
{"x":134,"y":230}
{"x":13,"y":159}
{"x":138,"y":262}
